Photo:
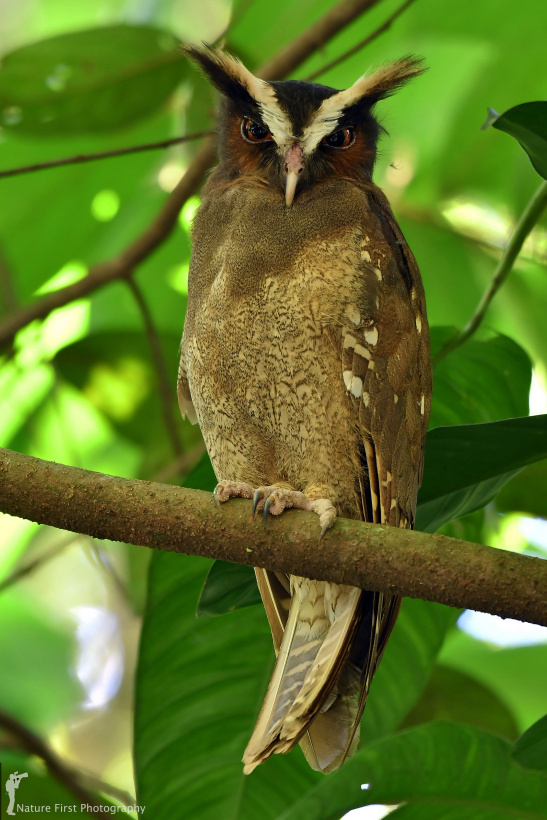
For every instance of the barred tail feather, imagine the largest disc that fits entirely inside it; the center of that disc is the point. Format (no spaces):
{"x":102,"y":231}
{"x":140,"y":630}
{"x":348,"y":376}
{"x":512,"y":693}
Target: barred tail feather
{"x":315,"y":645}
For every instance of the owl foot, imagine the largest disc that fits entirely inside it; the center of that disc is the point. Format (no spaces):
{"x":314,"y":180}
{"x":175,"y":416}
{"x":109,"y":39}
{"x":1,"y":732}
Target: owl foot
{"x":231,"y":489}
{"x":277,"y":499}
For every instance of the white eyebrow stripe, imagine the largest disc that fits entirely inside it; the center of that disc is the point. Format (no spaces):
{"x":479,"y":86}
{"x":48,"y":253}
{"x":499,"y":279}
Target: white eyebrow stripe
{"x":263,"y":94}
{"x":331,"y":109}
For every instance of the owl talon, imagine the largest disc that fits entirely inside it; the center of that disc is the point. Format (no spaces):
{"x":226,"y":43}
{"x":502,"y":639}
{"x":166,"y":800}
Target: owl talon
{"x":257,"y":498}
{"x":327,"y":519}
{"x":267,"y":504}
{"x":231,"y":489}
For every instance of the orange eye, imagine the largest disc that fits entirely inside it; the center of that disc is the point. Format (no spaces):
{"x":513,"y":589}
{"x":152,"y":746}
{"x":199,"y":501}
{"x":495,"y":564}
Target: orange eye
{"x":340,"y":139}
{"x":254,"y":132}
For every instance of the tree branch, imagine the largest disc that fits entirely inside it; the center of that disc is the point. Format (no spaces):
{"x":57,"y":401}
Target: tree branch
{"x":30,"y":742}
{"x":376,"y":33}
{"x":118,"y":152}
{"x":162,"y":376}
{"x":370,"y":556}
{"x":315,"y":37}
{"x":524,"y":226}
{"x":124,"y":264}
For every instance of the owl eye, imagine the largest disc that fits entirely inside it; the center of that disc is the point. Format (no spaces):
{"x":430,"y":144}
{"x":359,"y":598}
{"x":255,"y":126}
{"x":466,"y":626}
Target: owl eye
{"x":340,"y":139}
{"x":254,"y":132}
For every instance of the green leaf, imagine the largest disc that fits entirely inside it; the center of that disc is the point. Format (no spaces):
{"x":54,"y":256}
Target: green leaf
{"x":200,"y":684}
{"x":526,"y":492}
{"x":516,"y":674}
{"x":93,"y":80}
{"x":530,"y":750}
{"x":483,"y":380}
{"x":406,"y":665}
{"x":467,"y":465}
{"x":198,"y":691}
{"x":438,"y":770}
{"x":453,"y":695}
{"x":227,"y":587}
{"x":527,"y":123}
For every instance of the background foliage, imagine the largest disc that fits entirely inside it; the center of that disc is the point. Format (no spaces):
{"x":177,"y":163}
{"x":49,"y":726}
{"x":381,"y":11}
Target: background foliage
{"x":81,"y":387}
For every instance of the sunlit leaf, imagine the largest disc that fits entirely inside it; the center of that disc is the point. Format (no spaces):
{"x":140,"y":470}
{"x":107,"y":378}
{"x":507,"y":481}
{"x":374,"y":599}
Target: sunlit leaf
{"x":92,"y":80}
{"x":527,"y":123}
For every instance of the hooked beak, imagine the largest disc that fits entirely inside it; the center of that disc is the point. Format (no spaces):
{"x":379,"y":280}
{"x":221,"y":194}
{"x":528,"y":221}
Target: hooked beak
{"x":294,"y":165}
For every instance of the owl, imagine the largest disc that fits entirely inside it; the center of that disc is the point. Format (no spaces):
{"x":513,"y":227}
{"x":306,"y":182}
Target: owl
{"x":305,"y":360}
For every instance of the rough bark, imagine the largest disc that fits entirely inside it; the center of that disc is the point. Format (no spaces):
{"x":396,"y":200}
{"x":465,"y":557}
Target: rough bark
{"x":414,"y":564}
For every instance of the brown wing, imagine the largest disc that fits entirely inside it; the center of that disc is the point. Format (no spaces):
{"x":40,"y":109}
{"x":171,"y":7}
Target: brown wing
{"x":387,"y":372}
{"x":183,"y":390}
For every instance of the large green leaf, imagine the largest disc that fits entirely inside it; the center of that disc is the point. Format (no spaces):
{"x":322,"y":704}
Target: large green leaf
{"x":467,"y":465}
{"x":527,"y":123}
{"x":198,"y":691}
{"x":406,"y":665}
{"x":437,"y":770}
{"x":92,"y":80}
{"x":483,"y":380}
{"x":531,"y":748}
{"x":200,"y":684}
{"x":526,"y":492}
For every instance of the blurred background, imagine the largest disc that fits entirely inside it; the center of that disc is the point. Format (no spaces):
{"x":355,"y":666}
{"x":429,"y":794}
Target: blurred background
{"x":81,"y":386}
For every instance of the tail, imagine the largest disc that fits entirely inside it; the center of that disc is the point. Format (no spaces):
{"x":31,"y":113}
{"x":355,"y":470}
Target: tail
{"x":313,"y":696}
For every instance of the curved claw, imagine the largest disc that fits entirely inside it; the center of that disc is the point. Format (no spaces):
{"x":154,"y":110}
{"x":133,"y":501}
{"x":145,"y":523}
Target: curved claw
{"x":215,"y":497}
{"x":257,"y":498}
{"x":330,"y":519}
{"x":267,"y":504}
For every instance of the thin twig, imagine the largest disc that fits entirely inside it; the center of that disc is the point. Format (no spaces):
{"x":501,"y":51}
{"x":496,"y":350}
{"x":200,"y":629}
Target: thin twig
{"x":165,"y":384}
{"x":118,"y":152}
{"x":432,"y":567}
{"x":380,"y":30}
{"x":26,"y":570}
{"x":315,"y":37}
{"x":524,"y":226}
{"x":32,"y":743}
{"x":121,"y":266}
{"x":124,"y":264}
{"x":8,"y":297}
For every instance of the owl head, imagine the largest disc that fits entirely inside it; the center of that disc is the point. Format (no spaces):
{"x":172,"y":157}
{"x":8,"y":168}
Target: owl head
{"x":292,"y":134}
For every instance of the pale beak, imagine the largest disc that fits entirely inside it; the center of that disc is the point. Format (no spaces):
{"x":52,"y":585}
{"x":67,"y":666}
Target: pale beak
{"x":294,"y":165}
